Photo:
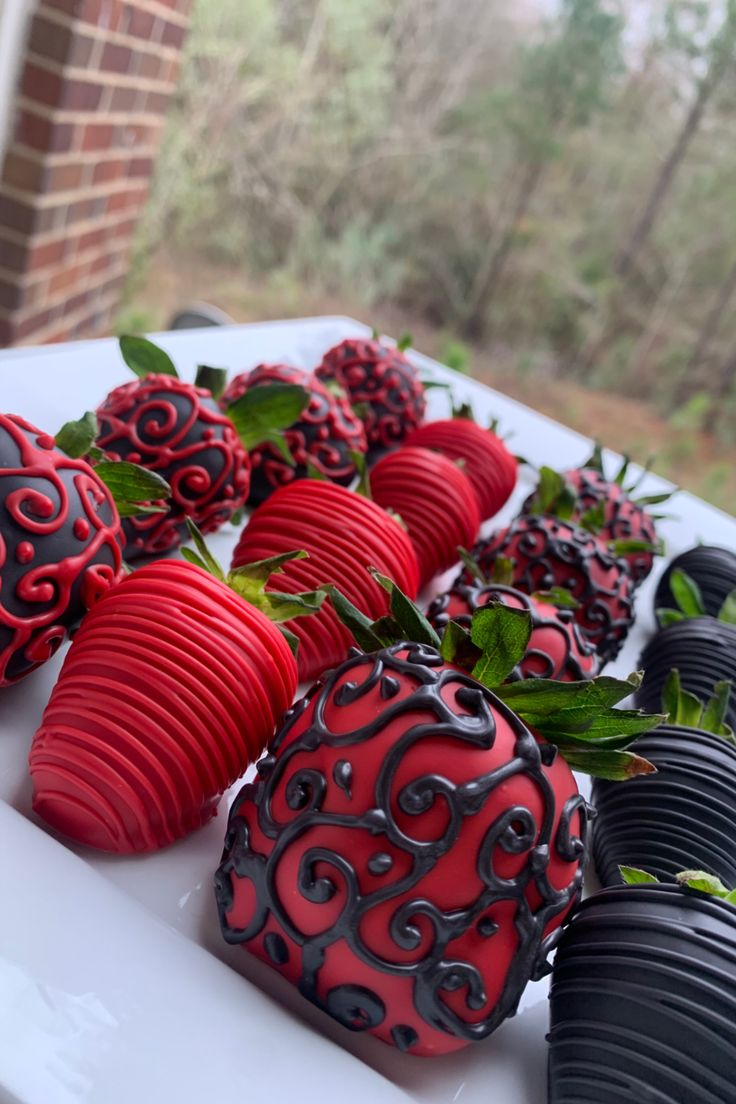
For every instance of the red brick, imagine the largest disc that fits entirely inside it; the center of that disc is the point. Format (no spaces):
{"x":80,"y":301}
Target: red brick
{"x":91,"y":239}
{"x":16,"y":215}
{"x":157,"y":102}
{"x":140,"y":22}
{"x":68,"y":7}
{"x":125,"y":229}
{"x":63,"y":178}
{"x":116,"y":58}
{"x":108,"y":170}
{"x":31,"y":325}
{"x":76,"y":302}
{"x":11,"y":296}
{"x":13,"y":256}
{"x":49,"y":39}
{"x":120,"y":201}
{"x":102,"y":263}
{"x":7,"y":334}
{"x":42,"y":256}
{"x":97,"y":136}
{"x":58,"y":336}
{"x":140,"y":167}
{"x":44,"y":134}
{"x":68,"y":277}
{"x":81,"y":50}
{"x":41,"y":84}
{"x":151,"y":66}
{"x":123,"y":99}
{"x":173,"y":35}
{"x":22,"y":172}
{"x":80,"y":95}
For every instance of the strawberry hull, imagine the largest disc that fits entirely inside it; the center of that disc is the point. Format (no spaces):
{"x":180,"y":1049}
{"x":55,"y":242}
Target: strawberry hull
{"x":325,"y":434}
{"x":408,"y":853}
{"x":623,"y":519}
{"x":382,"y":381}
{"x":702,"y":649}
{"x":344,"y":535}
{"x":556,"y":648}
{"x":712,"y":569}
{"x":489,"y":465}
{"x":643,"y":1000}
{"x":172,"y":686}
{"x":434,"y":499}
{"x":546,"y":552}
{"x":60,"y":545}
{"x":178,"y":431}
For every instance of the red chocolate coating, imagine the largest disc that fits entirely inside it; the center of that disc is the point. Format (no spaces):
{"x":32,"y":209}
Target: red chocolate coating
{"x":547,"y":552}
{"x":344,"y":534}
{"x":326,"y":433}
{"x":177,"y":430}
{"x":489,"y":465}
{"x":172,"y":686}
{"x":435,"y":500}
{"x":409,"y":853}
{"x":624,"y":520}
{"x":384,"y":381}
{"x":60,"y":545}
{"x":556,"y":649}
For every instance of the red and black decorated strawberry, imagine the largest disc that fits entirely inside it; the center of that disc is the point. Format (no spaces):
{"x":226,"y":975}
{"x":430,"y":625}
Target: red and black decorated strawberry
{"x":546,"y":552}
{"x":344,"y":534}
{"x":323,"y":438}
{"x":177,"y":430}
{"x":435,"y":500}
{"x":60,"y":545}
{"x":382,"y":383}
{"x":172,"y":686}
{"x":556,"y":648}
{"x":488,"y":464}
{"x":412,"y":846}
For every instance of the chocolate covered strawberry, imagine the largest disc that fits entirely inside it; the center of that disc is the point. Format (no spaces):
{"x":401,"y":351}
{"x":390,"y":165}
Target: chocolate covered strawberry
{"x":177,"y":429}
{"x":60,"y":535}
{"x":486,"y":461}
{"x":606,"y":507}
{"x":413,"y":844}
{"x":545,"y":552}
{"x":344,"y":533}
{"x":643,"y":998}
{"x":685,"y":814}
{"x":435,"y":500}
{"x":323,"y":439}
{"x":713,"y":572}
{"x":172,"y":686}
{"x":556,"y":648}
{"x":382,"y":384}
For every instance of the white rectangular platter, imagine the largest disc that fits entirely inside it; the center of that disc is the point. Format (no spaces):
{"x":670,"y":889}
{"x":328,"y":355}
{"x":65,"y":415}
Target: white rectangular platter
{"x":112,"y":983}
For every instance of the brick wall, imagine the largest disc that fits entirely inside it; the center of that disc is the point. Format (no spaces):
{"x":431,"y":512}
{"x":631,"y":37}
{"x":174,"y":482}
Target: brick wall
{"x":89,"y":111}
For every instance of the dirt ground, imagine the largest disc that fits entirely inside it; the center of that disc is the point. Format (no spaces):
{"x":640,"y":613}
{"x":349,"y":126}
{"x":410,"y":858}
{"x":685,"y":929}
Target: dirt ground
{"x":695,"y":460}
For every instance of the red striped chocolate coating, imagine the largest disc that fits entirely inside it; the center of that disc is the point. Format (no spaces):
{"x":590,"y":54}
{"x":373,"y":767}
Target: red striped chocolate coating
{"x":489,"y":465}
{"x":172,"y":686}
{"x":435,"y":500}
{"x":344,"y":534}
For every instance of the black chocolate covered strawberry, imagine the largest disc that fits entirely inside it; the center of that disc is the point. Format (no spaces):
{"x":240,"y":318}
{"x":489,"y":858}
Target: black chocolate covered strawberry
{"x":321,"y":441}
{"x":711,"y":569}
{"x":643,"y":996}
{"x":412,"y":844}
{"x":382,"y":384}
{"x":546,"y":552}
{"x":556,"y":648}
{"x":60,"y":545}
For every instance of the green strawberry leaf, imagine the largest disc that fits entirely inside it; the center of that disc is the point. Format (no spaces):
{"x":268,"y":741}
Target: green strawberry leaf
{"x":671,"y":695}
{"x":502,"y":634}
{"x":615,"y":766}
{"x":412,"y":621}
{"x":553,"y":495}
{"x":77,"y":438}
{"x":594,"y":519}
{"x":363,"y":486}
{"x":557,"y":596}
{"x":624,"y":547}
{"x":472,"y":566}
{"x":669,"y":616}
{"x":730,"y":898}
{"x":714,"y":714}
{"x":595,"y":460}
{"x":727,"y":612}
{"x":212,"y":379}
{"x":632,"y":875}
{"x":313,"y":472}
{"x":581,"y":724}
{"x":262,"y":411}
{"x":291,"y":639}
{"x":653,"y":499}
{"x":207,"y":560}
{"x":133,"y":486}
{"x":359,"y":625}
{"x":702,"y":881}
{"x":544,"y":698}
{"x":282,"y":607}
{"x":463,"y":410}
{"x":260,"y":571}
{"x":621,"y":473}
{"x":689,"y":710}
{"x":429,"y":384}
{"x":502,"y":571}
{"x":405,"y":342}
{"x":457,"y":647}
{"x":687,"y":594}
{"x":144,"y":358}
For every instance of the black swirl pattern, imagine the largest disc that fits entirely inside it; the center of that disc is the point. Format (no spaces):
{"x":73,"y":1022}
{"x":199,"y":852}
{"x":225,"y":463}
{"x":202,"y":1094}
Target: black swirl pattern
{"x":177,"y":430}
{"x":545,"y":553}
{"x":383,"y":383}
{"x":556,"y":649}
{"x":347,"y":877}
{"x":60,"y":545}
{"x":324,"y":436}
